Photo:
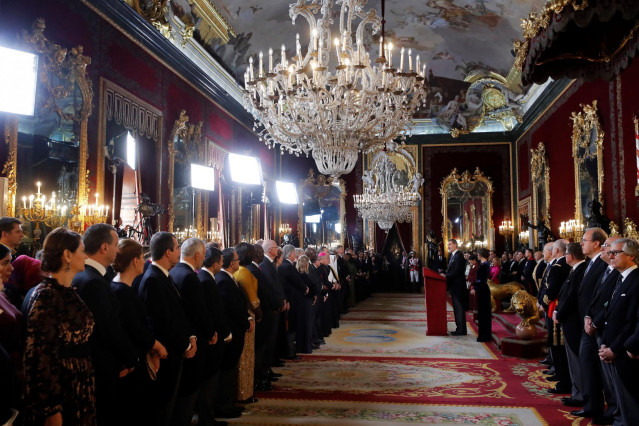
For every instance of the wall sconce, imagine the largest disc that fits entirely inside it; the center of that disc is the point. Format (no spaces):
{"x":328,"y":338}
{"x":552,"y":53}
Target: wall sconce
{"x":285,"y":229}
{"x":572,"y":229}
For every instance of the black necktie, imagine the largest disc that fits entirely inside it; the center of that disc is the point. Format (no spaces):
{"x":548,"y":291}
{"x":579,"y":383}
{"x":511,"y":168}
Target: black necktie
{"x":617,"y":285}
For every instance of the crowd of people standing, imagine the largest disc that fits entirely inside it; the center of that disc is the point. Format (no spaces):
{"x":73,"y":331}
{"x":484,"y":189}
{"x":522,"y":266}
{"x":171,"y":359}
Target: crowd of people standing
{"x":101,"y":330}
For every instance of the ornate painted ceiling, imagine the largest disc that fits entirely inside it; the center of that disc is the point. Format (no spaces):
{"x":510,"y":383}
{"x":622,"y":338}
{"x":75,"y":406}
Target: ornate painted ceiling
{"x":467,"y":45}
{"x":456,"y":37}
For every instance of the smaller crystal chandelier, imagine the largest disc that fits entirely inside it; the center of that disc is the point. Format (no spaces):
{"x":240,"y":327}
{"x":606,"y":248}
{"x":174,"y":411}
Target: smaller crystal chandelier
{"x":385,"y":200}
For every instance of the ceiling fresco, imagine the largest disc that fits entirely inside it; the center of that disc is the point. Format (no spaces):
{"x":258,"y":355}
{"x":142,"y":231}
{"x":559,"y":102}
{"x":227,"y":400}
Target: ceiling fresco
{"x":456,"y":37}
{"x":463,"y":42}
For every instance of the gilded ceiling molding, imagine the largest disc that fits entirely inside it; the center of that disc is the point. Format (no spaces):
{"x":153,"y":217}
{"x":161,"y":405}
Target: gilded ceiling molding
{"x":536,"y":22}
{"x":155,"y":12}
{"x":212,"y":24}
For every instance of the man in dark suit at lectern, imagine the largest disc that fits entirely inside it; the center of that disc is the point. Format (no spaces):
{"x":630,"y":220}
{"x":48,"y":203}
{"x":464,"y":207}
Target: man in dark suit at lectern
{"x":456,"y":282}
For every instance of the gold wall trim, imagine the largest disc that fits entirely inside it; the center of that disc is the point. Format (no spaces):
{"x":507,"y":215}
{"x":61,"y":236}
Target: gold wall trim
{"x":168,"y":67}
{"x":584,"y":122}
{"x":11,"y":165}
{"x":540,"y":175}
{"x":213,"y":24}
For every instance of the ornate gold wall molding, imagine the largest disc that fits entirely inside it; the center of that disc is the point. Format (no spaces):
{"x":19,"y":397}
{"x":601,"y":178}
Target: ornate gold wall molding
{"x":587,"y":145}
{"x":10,"y":166}
{"x":212,"y":24}
{"x":62,"y":72}
{"x":155,"y":12}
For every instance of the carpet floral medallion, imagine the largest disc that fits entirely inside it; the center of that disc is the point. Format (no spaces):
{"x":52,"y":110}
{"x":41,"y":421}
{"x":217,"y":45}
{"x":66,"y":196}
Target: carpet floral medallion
{"x":400,"y":379}
{"x":286,"y":412}
{"x":380,"y":368}
{"x":399,"y":339}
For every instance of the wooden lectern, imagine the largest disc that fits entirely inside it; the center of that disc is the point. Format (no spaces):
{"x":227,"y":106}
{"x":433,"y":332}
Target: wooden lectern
{"x":435,"y":298}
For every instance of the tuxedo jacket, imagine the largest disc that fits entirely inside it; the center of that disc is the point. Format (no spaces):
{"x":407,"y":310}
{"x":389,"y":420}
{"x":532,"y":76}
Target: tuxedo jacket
{"x":111,"y":347}
{"x":265,"y":290}
{"x":316,"y":279}
{"x":193,"y":299}
{"x":292,"y":280}
{"x":456,"y":273}
{"x":601,"y":297}
{"x":236,"y":312}
{"x":588,"y":284}
{"x":270,"y":271}
{"x":568,"y":307}
{"x":166,"y":312}
{"x":620,"y":314}
{"x":213,"y":302}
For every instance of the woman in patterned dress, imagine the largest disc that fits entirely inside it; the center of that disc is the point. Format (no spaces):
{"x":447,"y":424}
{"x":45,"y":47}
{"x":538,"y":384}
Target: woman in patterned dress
{"x":248,"y":283}
{"x":58,"y":373}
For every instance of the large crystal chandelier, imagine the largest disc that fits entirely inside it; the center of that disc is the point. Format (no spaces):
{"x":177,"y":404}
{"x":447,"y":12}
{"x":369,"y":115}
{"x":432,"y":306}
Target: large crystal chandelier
{"x":335,"y":99}
{"x":385,"y":200}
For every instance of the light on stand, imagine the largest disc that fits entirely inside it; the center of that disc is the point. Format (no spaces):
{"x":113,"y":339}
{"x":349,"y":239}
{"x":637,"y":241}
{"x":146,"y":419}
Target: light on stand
{"x":287,"y":192}
{"x":245,"y":169}
{"x":202,"y":177}
{"x":18,"y":81}
{"x":130,"y":150}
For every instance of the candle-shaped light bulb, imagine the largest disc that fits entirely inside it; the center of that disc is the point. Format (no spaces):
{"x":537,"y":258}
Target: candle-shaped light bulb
{"x":401,"y":60}
{"x":270,"y":60}
{"x":298,"y":45}
{"x":344,"y":41}
{"x":261,"y":69}
{"x":24,"y":201}
{"x":424,"y":71}
{"x":390,"y":55}
{"x":314,"y":39}
{"x":38,"y":187}
{"x":31,"y":201}
{"x":339,"y":59}
{"x":283,"y":57}
{"x":381,"y":46}
{"x":417,"y":67}
{"x":251,"y":68}
{"x":410,"y":60}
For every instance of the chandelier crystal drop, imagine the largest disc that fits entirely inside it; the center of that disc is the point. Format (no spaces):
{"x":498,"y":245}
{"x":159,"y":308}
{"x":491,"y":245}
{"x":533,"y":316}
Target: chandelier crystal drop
{"x":384,"y":200}
{"x":336,"y":99}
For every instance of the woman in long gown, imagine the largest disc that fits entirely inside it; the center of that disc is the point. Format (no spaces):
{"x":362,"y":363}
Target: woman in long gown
{"x":480,"y":287}
{"x":248,"y":283}
{"x":58,"y":373}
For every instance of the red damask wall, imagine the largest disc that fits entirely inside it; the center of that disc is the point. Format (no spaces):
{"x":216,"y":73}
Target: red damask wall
{"x":617,"y":104}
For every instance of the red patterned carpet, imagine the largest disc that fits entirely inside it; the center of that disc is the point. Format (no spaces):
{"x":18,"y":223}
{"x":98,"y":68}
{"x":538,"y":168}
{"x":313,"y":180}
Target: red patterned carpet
{"x":372,"y":371}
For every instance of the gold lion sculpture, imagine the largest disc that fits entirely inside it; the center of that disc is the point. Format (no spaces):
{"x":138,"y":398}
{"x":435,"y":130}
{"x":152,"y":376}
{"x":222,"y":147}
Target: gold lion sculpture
{"x":526,"y":307}
{"x":498,"y":292}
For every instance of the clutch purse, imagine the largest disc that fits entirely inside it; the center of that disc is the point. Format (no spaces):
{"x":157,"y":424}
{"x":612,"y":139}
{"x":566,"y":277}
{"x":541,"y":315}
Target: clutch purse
{"x":150,"y":367}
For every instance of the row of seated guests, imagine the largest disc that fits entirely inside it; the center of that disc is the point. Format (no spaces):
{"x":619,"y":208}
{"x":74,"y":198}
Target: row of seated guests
{"x":111,"y":339}
{"x":590,"y":295}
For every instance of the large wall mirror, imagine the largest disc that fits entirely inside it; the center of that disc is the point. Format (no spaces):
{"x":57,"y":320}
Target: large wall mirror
{"x":50,"y":147}
{"x":321,"y":211}
{"x":540,"y":174}
{"x":185,"y":147}
{"x":467,"y":209}
{"x":129,"y":164}
{"x":587,"y":151}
